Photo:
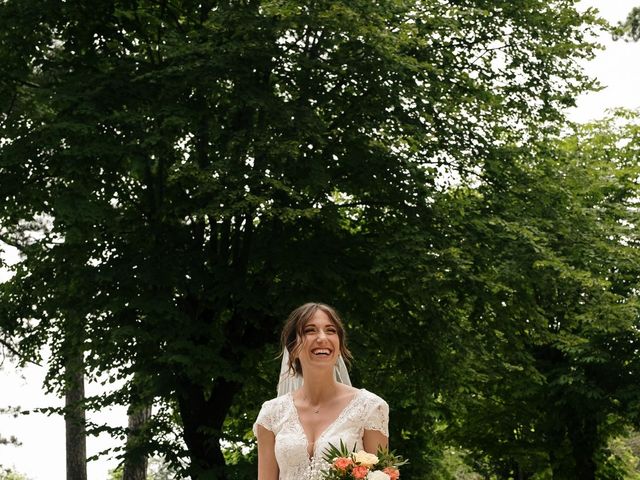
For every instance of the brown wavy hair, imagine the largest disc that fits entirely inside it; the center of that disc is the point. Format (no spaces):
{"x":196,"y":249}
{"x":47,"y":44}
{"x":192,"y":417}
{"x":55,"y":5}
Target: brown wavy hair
{"x":293,"y":337}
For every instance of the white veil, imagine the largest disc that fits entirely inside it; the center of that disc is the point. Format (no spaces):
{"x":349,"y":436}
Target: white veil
{"x":290,"y":381}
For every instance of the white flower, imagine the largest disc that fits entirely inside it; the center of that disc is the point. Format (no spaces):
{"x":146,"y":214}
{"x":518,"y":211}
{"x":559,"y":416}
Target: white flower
{"x":365,"y":458}
{"x":378,"y":475}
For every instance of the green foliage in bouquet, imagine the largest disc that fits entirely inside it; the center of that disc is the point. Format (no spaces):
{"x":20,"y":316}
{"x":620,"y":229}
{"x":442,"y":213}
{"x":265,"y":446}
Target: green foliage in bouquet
{"x":344,"y":462}
{"x":332,"y":452}
{"x":389,"y":458}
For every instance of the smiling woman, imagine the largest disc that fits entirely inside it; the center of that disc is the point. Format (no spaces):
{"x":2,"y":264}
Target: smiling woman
{"x":295,"y":429}
{"x":304,"y":325}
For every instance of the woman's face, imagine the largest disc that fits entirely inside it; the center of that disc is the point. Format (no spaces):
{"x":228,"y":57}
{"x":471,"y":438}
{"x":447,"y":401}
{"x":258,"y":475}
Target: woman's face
{"x":321,"y":342}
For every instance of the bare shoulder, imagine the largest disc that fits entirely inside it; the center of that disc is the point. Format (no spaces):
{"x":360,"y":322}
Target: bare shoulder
{"x":347,"y":391}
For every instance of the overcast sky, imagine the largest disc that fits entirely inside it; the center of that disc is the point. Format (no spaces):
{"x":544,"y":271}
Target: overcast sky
{"x":617,"y":67}
{"x":41,"y":456}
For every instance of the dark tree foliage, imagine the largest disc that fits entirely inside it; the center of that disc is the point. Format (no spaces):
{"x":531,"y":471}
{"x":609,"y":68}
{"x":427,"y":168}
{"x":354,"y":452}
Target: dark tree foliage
{"x":552,"y":249}
{"x":179,"y":175}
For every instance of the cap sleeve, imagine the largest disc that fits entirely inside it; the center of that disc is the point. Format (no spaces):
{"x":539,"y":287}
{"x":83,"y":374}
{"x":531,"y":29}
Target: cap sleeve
{"x":265,"y":418}
{"x":273,"y":414}
{"x":377,"y":417}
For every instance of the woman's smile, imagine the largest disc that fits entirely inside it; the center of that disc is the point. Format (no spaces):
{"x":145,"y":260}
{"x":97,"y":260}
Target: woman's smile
{"x":321,"y":338}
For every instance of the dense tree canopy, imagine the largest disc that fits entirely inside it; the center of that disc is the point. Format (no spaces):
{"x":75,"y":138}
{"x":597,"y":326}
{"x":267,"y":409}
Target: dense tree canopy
{"x":551,"y":245}
{"x":179,"y":175}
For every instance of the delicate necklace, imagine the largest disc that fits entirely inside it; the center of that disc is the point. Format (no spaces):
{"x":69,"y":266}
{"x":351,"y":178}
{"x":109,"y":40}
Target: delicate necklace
{"x":313,"y":409}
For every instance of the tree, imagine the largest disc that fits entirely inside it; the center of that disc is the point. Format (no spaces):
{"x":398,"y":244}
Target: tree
{"x":75,"y":418}
{"x":631,"y":26}
{"x":135,"y":466}
{"x":553,"y":258}
{"x":197,"y":169}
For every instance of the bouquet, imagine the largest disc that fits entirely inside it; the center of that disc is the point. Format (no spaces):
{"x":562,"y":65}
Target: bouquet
{"x":352,"y":465}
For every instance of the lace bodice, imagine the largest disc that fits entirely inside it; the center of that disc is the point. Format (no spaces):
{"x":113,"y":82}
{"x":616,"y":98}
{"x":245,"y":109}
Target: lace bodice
{"x":366,"y":411}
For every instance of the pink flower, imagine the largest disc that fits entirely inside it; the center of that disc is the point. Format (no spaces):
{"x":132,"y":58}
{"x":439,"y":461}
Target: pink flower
{"x":342,"y":463}
{"x":360,"y":471}
{"x":393,"y":473}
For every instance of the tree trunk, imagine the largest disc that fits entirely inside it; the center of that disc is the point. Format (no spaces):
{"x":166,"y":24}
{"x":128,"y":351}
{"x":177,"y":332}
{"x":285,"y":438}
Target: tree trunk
{"x":583,"y":438}
{"x":135,"y":464}
{"x":521,"y":473}
{"x":74,"y":417}
{"x":202,"y":417}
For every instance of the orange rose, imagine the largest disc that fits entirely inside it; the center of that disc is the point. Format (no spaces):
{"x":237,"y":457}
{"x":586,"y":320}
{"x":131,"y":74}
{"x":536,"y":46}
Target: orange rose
{"x":393,"y":473}
{"x":341,"y":463}
{"x":360,"y":471}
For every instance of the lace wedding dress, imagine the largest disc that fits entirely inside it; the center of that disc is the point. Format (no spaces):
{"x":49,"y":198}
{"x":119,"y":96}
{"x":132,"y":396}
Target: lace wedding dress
{"x":366,"y":411}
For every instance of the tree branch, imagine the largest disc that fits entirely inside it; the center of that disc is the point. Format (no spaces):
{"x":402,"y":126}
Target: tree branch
{"x":5,"y":344}
{"x":11,"y":105}
{"x":12,"y":243}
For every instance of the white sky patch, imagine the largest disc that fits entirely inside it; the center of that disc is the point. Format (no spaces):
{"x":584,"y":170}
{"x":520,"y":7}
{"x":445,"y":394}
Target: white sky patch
{"x":616,"y":67}
{"x":41,"y":455}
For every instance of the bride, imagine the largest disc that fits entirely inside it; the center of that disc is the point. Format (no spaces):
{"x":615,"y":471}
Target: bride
{"x":295,"y":428}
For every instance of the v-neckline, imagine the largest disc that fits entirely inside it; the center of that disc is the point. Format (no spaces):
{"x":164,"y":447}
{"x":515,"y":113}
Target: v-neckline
{"x":311,"y":455}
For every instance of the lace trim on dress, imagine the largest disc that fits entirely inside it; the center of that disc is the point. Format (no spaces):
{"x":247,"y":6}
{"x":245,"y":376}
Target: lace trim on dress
{"x":378,"y":418}
{"x":365,"y":411}
{"x":337,"y":420}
